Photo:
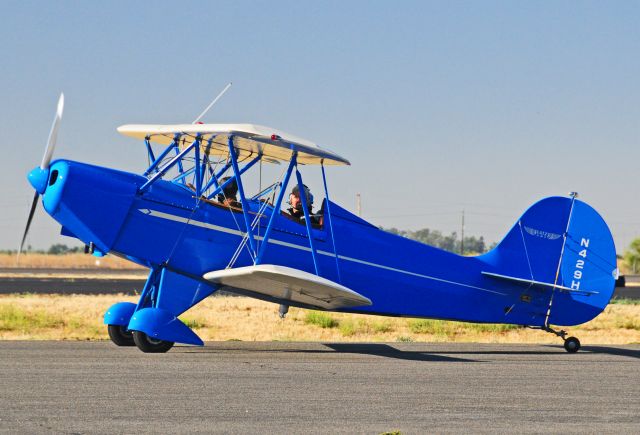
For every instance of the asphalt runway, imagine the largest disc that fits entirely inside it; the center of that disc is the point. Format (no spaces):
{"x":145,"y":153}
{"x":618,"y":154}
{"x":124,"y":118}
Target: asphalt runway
{"x":67,"y":286}
{"x":72,"y":281}
{"x":275,"y":387}
{"x":36,"y":271}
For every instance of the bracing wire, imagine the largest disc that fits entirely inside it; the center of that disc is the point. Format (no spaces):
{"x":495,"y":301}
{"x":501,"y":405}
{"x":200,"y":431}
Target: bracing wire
{"x":254,"y":223}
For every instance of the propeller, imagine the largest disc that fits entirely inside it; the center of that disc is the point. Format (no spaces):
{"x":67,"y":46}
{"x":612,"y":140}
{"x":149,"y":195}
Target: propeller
{"x":40,"y":175}
{"x":53,"y":135}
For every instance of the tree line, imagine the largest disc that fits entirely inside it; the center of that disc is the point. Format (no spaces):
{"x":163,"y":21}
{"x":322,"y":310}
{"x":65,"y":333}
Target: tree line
{"x":632,"y":256}
{"x":451,"y":242}
{"x":55,"y":249}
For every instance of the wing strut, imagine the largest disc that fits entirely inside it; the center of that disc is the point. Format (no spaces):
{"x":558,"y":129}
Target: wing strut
{"x":293,"y":164}
{"x":328,"y":213}
{"x":307,"y":220}
{"x":276,"y":208}
{"x":243,"y":199}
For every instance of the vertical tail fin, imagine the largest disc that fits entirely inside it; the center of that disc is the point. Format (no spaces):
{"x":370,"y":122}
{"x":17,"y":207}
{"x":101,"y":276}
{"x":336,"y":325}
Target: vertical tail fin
{"x":563,"y":248}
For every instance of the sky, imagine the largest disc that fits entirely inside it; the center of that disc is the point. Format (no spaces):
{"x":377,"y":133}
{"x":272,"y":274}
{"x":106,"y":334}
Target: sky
{"x":441,"y":107}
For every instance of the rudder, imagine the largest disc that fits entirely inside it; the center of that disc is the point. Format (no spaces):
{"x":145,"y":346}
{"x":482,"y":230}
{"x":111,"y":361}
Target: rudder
{"x":560,"y":254}
{"x":589,"y":267}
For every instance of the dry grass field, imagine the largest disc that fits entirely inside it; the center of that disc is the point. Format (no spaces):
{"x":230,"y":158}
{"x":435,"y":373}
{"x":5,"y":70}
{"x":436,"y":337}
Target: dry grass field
{"x":66,"y":261}
{"x":79,"y":317}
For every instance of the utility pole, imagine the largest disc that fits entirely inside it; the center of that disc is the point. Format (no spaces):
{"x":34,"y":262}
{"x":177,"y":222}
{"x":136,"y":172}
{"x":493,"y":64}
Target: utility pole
{"x":358,"y":204}
{"x":462,"y":235}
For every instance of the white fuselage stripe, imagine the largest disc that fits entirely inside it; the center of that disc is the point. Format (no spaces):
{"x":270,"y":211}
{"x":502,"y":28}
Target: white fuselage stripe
{"x":239,"y":233}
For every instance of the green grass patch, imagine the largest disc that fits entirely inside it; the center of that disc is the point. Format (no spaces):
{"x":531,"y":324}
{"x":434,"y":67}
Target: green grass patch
{"x":320,"y":319}
{"x":444,"y":327}
{"x":74,"y":323}
{"x":95,"y":331}
{"x":382,"y":327}
{"x":194,"y":323}
{"x":404,"y":339}
{"x":491,"y":327}
{"x":429,"y":326}
{"x":629,"y":324}
{"x":348,"y":328}
{"x":351,"y":327}
{"x":16,"y":319}
{"x":625,"y":301}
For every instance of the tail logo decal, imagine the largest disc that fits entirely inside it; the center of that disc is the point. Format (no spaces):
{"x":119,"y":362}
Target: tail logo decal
{"x":542,"y":234}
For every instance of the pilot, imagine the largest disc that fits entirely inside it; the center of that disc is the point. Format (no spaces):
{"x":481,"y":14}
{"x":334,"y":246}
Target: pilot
{"x":228,"y":195}
{"x":295,"y":202}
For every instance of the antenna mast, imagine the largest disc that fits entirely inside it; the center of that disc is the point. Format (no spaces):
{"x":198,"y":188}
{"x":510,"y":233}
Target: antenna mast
{"x":215,"y":100}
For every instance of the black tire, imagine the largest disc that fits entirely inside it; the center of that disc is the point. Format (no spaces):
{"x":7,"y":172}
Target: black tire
{"x":572,"y":345}
{"x":150,"y":345}
{"x":120,"y":335}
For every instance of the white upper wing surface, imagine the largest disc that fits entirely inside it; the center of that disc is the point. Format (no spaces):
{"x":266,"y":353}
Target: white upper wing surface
{"x":249,"y":140}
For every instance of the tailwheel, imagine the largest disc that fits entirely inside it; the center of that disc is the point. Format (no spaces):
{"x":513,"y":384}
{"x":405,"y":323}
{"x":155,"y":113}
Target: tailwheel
{"x":120,"y":335}
{"x":150,"y":345}
{"x":572,"y":345}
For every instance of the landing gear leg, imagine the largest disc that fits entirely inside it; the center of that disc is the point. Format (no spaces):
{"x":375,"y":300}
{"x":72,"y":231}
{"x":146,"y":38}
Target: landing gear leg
{"x":571,"y":344}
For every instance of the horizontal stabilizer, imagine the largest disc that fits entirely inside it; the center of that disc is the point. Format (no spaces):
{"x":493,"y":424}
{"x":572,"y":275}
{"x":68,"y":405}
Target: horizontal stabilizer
{"x":288,"y":284}
{"x":533,"y":283}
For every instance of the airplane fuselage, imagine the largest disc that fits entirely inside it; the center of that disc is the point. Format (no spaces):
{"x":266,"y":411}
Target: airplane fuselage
{"x":166,"y":225}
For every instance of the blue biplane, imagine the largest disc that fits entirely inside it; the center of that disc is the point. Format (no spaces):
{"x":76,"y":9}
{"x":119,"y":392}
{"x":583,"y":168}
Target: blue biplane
{"x":556,"y":266}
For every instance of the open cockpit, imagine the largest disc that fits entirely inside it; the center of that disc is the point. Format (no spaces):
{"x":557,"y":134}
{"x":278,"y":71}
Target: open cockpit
{"x":212,"y":163}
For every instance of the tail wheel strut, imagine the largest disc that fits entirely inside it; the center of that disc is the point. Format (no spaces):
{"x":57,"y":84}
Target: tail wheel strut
{"x":571,"y":344}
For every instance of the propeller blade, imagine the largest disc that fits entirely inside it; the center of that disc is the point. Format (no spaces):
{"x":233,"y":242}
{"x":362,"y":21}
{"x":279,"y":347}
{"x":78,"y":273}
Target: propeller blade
{"x":26,"y":230}
{"x":53,"y":134}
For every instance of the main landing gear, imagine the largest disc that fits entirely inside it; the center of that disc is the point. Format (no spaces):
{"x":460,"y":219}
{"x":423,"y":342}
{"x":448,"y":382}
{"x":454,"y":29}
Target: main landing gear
{"x":154,"y":327}
{"x":150,"y":345}
{"x":571,"y":344}
{"x":121,"y":336}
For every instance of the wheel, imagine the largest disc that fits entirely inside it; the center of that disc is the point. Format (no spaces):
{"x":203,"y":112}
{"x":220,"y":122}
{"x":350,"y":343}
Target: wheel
{"x":572,"y":345}
{"x":120,"y":335}
{"x":150,"y":345}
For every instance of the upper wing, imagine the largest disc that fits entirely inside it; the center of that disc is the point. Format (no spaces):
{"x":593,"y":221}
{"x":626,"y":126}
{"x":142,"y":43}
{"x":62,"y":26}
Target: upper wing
{"x":249,"y":140}
{"x":288,"y":284}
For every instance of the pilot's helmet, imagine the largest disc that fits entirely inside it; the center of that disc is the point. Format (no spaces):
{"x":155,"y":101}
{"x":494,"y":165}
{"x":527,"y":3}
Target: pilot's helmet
{"x":231,"y":189}
{"x":296,"y":191}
